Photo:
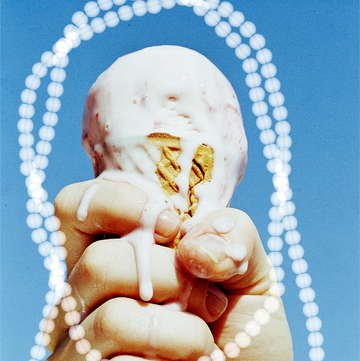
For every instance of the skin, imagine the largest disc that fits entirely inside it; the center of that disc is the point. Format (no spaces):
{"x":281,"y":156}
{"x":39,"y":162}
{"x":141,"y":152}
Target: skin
{"x":103,"y":279}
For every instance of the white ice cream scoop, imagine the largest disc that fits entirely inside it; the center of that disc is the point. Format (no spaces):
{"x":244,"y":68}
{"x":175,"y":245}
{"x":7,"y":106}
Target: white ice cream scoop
{"x":178,"y":92}
{"x":172,"y":90}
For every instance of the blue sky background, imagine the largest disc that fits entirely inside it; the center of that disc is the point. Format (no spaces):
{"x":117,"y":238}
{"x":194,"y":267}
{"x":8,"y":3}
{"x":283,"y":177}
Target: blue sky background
{"x":315,"y":47}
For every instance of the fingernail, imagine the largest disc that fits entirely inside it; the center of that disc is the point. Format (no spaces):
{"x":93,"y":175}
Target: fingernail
{"x":166,"y":223}
{"x":243,"y":268}
{"x":223,"y":224}
{"x":217,"y":248}
{"x":236,"y":251}
{"x":216,"y":301}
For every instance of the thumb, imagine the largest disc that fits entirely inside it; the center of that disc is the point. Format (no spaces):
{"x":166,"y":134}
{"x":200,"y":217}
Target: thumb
{"x":226,"y":248}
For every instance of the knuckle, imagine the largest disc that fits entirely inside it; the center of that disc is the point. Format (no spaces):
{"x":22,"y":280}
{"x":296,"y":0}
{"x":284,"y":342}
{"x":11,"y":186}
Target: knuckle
{"x":239,"y":214}
{"x":120,"y":195}
{"x":91,"y":265}
{"x":65,"y":198}
{"x":244,"y":220}
{"x":61,"y":200}
{"x":203,"y":335}
{"x":201,"y":340}
{"x":112,"y":319}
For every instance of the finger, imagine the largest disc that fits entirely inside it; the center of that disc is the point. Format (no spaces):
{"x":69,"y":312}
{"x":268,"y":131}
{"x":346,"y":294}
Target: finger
{"x":261,"y":317}
{"x":226,"y":248}
{"x":167,"y":226}
{"x":124,"y":326}
{"x":93,"y":208}
{"x":107,"y":269}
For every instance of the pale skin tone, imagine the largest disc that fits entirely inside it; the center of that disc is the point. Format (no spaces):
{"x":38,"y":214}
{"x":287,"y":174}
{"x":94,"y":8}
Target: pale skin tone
{"x":103,"y":278}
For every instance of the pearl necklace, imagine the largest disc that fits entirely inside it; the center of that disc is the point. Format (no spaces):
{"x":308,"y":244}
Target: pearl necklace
{"x":276,"y":142}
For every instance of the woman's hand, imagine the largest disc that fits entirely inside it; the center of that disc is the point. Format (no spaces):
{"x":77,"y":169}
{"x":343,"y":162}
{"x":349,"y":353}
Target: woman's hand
{"x":226,"y":248}
{"x":104,"y":295}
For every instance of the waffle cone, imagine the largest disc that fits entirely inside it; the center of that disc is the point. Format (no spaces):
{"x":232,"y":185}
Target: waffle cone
{"x":168,"y":169}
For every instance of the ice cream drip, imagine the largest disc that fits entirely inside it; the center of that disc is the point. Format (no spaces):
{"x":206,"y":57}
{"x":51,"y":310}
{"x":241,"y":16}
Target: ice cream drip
{"x":167,"y":92}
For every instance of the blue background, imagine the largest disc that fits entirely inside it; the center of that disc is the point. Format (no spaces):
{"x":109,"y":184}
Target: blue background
{"x":315,"y":46}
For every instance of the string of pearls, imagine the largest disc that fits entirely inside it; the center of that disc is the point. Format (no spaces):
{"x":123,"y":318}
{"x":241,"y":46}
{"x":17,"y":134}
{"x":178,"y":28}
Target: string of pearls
{"x":231,"y":26}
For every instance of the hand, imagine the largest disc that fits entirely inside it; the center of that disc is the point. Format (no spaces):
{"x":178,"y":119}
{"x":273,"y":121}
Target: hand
{"x":244,"y":274}
{"x":104,"y":286}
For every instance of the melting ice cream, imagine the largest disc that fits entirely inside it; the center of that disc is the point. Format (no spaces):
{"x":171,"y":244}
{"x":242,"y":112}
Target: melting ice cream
{"x":168,"y":121}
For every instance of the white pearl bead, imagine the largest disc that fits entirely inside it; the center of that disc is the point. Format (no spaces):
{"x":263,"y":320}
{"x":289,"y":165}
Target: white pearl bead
{"x":257,"y":41}
{"x":276,"y":99}
{"x":57,"y":75}
{"x":111,"y":19}
{"x":243,"y":51}
{"x":53,"y":104}
{"x":233,"y":40}
{"x":212,"y":18}
{"x":105,"y":4}
{"x":55,"y":89}
{"x":300,"y":266}
{"x":139,"y":8}
{"x":268,"y":70}
{"x":296,"y":252}
{"x":253,"y":80}
{"x":222,"y":29}
{"x":86,"y":33}
{"x":250,"y":65}
{"x":79,"y":18}
{"x":259,"y":108}
{"x":272,"y":85}
{"x":303,"y":280}
{"x":264,"y":56}
{"x":98,"y":25}
{"x":39,"y":70}
{"x":280,"y":113}
{"x":247,"y":29}
{"x":91,"y":9}
{"x":225,"y":9}
{"x":236,"y":19}
{"x":257,"y":94}
{"x":310,"y":309}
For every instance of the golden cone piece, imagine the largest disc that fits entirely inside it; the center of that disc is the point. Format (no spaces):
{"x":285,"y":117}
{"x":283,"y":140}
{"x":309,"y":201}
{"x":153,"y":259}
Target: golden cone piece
{"x":168,"y":169}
